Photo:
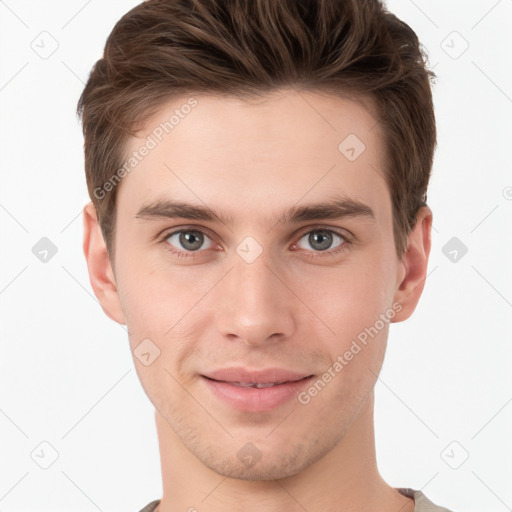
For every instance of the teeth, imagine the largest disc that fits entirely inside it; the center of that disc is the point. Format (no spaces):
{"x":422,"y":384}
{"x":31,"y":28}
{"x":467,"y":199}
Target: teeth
{"x":255,"y":385}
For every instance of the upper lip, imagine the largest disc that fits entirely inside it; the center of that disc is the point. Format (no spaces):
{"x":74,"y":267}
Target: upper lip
{"x":267,"y":376}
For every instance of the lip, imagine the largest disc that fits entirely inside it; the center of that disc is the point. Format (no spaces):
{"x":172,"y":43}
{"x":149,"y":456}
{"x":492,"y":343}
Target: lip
{"x":249,"y":399}
{"x":267,"y":376}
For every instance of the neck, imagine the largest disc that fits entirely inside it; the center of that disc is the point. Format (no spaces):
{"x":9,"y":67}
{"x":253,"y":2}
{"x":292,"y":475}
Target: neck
{"x":344,"y":479}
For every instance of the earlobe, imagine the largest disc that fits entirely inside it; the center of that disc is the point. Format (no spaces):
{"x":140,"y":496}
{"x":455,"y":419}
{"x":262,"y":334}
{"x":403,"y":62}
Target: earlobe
{"x":413,"y":267}
{"x":101,"y":275}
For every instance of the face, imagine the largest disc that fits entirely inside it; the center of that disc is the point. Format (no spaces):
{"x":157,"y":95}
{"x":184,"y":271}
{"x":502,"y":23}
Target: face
{"x":256,"y":273}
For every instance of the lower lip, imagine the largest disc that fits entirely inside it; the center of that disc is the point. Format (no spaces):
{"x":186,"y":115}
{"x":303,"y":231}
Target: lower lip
{"x":256,"y":399}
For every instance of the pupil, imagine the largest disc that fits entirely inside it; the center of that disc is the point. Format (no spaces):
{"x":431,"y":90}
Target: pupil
{"x":320,"y":240}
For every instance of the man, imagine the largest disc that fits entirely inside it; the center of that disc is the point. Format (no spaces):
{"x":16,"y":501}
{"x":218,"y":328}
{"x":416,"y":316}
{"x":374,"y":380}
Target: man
{"x":258,"y":174}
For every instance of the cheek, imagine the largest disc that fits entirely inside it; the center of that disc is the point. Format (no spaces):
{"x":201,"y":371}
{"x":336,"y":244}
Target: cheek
{"x":351,"y":300}
{"x":156,"y":304}
{"x":350,"y":297}
{"x":159,"y":300}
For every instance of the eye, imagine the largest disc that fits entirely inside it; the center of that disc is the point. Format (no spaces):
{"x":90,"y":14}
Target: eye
{"x":322,"y":240}
{"x":188,"y":240}
{"x":190,"y":243}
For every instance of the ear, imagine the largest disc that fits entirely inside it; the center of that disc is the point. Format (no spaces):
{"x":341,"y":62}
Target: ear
{"x":101,"y":274}
{"x":413,"y":266}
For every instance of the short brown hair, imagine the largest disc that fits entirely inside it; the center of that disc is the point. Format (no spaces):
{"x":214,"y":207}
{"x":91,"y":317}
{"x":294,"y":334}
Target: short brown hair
{"x":165,"y":48}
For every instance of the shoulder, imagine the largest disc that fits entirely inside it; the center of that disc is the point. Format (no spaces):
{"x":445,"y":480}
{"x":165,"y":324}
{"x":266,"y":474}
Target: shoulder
{"x":150,"y":507}
{"x":421,"y":502}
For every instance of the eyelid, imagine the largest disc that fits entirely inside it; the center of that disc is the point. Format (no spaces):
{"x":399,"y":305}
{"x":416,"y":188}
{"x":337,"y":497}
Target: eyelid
{"x":340,"y":231}
{"x":347,"y":235}
{"x":336,"y":251}
{"x":176,"y":250}
{"x":166,"y":233}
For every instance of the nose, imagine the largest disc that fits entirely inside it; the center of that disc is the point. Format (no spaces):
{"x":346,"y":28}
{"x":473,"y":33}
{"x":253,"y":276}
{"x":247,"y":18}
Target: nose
{"x":255,"y":304}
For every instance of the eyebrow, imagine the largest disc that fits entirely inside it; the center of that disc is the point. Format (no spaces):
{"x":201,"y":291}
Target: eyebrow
{"x":335,"y":208}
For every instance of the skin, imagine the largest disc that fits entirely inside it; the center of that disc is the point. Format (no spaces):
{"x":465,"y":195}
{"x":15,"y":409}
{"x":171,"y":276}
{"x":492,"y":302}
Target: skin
{"x":293,"y":307}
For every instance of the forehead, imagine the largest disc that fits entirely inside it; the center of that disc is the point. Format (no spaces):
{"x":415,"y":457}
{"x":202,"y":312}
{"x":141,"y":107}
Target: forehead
{"x":251,"y":157}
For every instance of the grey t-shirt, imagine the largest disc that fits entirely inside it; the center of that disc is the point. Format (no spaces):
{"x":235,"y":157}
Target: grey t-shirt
{"x":421,"y":502}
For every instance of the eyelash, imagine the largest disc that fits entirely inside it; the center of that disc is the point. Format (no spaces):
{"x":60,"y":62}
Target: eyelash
{"x":314,"y":254}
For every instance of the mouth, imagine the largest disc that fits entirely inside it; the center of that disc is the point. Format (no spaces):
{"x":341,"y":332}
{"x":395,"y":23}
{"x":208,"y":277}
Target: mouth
{"x":253,"y":396}
{"x":258,"y":385}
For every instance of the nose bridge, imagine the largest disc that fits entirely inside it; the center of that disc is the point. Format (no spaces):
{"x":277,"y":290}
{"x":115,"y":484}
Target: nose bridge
{"x":256,"y":305}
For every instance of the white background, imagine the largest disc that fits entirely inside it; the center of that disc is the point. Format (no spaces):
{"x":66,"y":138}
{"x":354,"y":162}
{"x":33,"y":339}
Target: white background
{"x":66,"y":372}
